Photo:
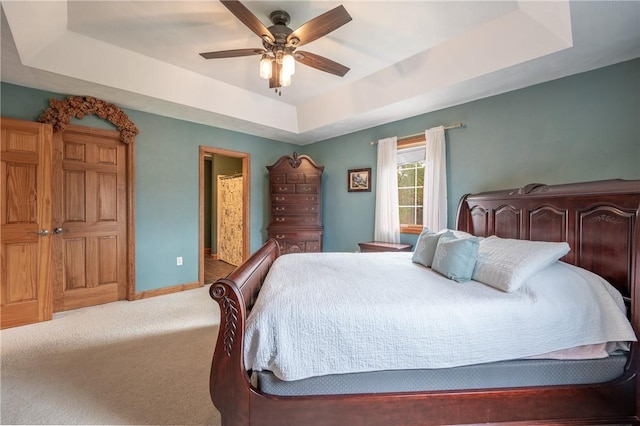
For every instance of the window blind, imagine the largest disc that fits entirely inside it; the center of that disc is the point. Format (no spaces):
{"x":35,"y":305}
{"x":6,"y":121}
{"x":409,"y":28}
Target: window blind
{"x":414,"y":154}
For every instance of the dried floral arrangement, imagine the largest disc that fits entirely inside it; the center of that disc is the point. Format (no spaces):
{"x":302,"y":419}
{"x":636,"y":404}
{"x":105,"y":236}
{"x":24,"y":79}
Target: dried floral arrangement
{"x":60,"y":113}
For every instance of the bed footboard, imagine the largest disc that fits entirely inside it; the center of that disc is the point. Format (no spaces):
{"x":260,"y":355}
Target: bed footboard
{"x":229,"y":382}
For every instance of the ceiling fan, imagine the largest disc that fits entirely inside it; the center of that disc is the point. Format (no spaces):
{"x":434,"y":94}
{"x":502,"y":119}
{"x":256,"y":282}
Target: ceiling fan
{"x":280,"y":43}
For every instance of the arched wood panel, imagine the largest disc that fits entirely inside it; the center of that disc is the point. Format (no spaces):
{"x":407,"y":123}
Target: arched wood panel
{"x":480,"y":222}
{"x":548,"y":223}
{"x":612,"y":228}
{"x":507,"y":222}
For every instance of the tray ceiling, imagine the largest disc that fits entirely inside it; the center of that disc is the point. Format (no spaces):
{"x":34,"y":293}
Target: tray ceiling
{"x":406,"y":58}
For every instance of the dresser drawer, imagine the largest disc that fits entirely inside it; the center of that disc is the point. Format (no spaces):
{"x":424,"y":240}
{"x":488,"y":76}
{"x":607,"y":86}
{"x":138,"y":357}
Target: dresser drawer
{"x":278,"y":178}
{"x":296,"y":178}
{"x":300,"y":247}
{"x":283,"y":188}
{"x":293,"y":247}
{"x":312,"y":179}
{"x":313,"y":246}
{"x":298,"y":242}
{"x":294,"y":198}
{"x":306,"y":219}
{"x":298,"y":236}
{"x":306,"y":189}
{"x":278,"y":209}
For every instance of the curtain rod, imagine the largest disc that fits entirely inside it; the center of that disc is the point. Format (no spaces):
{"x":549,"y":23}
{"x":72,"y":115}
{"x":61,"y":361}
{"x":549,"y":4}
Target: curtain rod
{"x":453,"y":126}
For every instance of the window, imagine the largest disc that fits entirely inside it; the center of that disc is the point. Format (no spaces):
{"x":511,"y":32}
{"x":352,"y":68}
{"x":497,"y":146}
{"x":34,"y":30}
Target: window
{"x":411,"y":184}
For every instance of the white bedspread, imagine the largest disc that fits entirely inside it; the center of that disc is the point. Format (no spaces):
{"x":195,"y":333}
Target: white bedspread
{"x":332,"y":313}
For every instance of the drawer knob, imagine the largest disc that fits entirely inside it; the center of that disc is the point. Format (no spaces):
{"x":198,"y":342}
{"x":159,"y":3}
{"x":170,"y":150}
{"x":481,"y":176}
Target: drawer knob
{"x":279,"y":219}
{"x":279,"y":209}
{"x":279,"y":236}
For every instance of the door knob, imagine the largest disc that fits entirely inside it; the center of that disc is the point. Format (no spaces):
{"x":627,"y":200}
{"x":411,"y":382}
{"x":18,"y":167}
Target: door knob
{"x":58,"y":230}
{"x":43,"y":232}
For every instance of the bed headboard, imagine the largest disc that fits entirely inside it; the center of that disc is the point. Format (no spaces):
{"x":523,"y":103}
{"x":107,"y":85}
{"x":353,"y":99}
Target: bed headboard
{"x":599,"y":220}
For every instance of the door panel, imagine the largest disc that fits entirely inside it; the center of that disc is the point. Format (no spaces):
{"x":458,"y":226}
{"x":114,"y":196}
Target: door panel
{"x":90,"y":212}
{"x":74,"y":188}
{"x":108,"y":253}
{"x":25,"y":222}
{"x":75,"y":273}
{"x":107,"y":205}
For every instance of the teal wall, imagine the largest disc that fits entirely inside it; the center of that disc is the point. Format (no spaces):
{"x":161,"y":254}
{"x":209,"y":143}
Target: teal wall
{"x":579,"y":128}
{"x":166,"y":183}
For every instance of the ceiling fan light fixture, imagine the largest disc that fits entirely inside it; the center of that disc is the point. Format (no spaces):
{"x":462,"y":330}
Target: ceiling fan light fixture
{"x":288,"y":64}
{"x":285,"y":79}
{"x":266,"y":67}
{"x":278,"y":53}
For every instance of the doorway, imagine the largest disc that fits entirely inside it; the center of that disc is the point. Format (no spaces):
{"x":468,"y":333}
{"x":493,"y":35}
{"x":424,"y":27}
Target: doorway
{"x":214,"y":162}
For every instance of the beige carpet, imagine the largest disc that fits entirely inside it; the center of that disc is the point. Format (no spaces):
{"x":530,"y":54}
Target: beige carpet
{"x":141,"y":362}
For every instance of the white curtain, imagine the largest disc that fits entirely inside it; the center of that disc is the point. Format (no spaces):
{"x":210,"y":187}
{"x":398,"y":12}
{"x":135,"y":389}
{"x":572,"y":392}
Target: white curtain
{"x":387,"y":218}
{"x":434,"y":213}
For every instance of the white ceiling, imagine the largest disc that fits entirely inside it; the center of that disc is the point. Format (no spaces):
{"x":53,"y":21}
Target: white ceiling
{"x":406,"y":57}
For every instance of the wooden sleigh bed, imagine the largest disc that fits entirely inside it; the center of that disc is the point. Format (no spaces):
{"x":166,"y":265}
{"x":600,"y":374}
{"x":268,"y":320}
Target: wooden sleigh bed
{"x":599,"y":221}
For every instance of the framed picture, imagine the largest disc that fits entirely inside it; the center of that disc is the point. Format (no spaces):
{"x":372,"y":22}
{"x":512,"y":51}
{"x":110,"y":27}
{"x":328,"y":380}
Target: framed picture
{"x":359,"y":180}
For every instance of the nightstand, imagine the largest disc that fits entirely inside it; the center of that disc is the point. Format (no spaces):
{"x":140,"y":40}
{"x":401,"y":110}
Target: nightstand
{"x":373,"y":246}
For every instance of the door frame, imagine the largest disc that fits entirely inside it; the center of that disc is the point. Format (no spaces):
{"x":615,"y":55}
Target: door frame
{"x":206,"y":151}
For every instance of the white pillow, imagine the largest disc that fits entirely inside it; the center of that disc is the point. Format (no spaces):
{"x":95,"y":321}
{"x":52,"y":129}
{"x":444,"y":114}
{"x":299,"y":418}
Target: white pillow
{"x":506,"y":263}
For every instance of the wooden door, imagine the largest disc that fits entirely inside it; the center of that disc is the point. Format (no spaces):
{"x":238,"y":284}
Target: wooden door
{"x":25,"y":223}
{"x":230,"y":220}
{"x":89,"y":218}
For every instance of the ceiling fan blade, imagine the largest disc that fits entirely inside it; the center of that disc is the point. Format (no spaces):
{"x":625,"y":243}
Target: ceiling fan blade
{"x":249,"y":19}
{"x":319,"y":26}
{"x":321,"y":63}
{"x":232,"y":53}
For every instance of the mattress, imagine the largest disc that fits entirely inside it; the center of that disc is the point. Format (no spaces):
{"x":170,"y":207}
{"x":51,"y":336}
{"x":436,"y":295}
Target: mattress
{"x":341,"y":313}
{"x":515,"y":373}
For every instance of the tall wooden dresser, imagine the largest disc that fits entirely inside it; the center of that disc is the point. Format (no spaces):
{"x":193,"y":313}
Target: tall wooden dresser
{"x":296,"y":204}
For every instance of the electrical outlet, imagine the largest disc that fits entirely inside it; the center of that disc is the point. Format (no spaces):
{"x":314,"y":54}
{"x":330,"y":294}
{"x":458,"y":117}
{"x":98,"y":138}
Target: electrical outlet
{"x":179,"y":260}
